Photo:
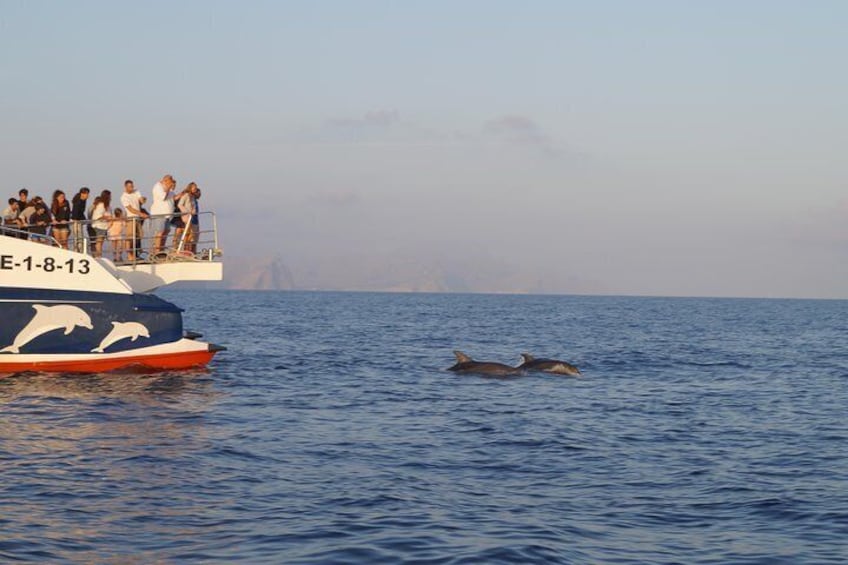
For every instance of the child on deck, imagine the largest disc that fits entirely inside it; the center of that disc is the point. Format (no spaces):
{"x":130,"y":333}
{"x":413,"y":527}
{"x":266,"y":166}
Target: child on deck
{"x":117,"y":229}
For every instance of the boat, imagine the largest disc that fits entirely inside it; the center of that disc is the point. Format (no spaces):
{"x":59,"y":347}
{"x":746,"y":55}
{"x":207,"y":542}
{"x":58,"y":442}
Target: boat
{"x":67,"y":311}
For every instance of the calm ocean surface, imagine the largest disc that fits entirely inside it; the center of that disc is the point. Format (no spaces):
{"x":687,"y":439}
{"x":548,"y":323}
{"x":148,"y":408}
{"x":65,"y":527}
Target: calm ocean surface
{"x":703,"y":431}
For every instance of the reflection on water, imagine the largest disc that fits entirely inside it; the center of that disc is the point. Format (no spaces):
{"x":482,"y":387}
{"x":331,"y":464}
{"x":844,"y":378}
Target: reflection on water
{"x":42,"y":412}
{"x":142,"y":388}
{"x":78,"y":450}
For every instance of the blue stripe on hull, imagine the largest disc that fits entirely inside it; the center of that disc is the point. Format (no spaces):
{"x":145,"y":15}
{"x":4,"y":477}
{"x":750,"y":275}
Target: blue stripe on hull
{"x":56,"y":321}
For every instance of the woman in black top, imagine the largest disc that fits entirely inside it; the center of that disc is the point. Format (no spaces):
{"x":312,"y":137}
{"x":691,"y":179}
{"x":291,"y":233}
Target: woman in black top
{"x":61,"y":211}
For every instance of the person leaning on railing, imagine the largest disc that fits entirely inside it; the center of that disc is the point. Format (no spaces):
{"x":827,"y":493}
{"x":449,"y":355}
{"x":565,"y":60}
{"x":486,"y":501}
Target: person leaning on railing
{"x":78,"y":218}
{"x":39,"y":220}
{"x":61,"y":212}
{"x":132,"y":201}
{"x":26,"y":215}
{"x":101,"y":213}
{"x":10,"y":218}
{"x":186,"y":205}
{"x":162,"y":210}
{"x":195,"y":222}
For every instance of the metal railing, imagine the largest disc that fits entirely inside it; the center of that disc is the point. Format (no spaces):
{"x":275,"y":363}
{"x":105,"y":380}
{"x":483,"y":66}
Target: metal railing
{"x":23,"y":233}
{"x":133,"y":241}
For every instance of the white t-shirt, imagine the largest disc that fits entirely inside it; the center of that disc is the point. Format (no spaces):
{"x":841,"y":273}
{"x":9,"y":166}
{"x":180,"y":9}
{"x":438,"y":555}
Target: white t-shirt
{"x":131,"y":199}
{"x":26,"y":213}
{"x":163,"y":201}
{"x":10,"y":215}
{"x":98,"y":214}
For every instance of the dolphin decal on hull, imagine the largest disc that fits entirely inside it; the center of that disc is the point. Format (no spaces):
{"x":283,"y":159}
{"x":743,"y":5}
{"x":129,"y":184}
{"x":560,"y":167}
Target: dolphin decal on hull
{"x":47,"y":319}
{"x":122,"y":330}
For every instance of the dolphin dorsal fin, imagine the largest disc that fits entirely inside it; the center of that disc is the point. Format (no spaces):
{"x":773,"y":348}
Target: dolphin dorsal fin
{"x":527,"y":357}
{"x":461,"y":357}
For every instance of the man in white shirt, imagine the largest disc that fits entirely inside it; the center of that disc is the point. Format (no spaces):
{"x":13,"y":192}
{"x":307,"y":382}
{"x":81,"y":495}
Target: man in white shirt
{"x":132,"y":201}
{"x":162,"y":211}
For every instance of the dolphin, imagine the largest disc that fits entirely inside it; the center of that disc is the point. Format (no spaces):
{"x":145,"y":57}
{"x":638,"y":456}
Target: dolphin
{"x":464,"y":364}
{"x":122,"y":330}
{"x":553,"y":366}
{"x":47,"y":319}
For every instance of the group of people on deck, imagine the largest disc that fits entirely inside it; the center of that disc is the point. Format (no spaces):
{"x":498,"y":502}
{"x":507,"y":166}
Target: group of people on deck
{"x":90,"y":224}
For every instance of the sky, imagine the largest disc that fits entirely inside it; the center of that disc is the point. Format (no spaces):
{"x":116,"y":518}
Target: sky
{"x":644,"y":148}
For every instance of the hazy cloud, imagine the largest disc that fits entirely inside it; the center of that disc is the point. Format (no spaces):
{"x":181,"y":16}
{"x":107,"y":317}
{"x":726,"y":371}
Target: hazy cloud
{"x":387,"y":127}
{"x":373,"y":128}
{"x":372,"y":120}
{"x":520,"y":130}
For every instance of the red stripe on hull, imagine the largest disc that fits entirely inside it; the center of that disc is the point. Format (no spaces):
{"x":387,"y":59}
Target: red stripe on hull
{"x":163,"y":361}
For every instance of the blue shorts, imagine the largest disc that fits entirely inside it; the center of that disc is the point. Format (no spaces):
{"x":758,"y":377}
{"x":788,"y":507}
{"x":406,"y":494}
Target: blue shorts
{"x":160,"y":225}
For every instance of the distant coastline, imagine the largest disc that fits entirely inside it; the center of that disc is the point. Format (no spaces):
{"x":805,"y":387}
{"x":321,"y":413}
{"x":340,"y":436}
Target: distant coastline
{"x":380,"y":275}
{"x":273,"y":273}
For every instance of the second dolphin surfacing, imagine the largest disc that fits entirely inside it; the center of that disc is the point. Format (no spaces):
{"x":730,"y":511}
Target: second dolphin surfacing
{"x":465,"y":364}
{"x":553,"y":366}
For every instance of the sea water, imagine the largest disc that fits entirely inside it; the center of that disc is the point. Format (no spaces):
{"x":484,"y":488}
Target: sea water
{"x":702,"y":431}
